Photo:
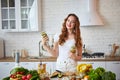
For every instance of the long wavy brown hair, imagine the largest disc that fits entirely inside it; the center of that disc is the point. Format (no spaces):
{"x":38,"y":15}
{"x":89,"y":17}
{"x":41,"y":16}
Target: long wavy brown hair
{"x":64,"y":33}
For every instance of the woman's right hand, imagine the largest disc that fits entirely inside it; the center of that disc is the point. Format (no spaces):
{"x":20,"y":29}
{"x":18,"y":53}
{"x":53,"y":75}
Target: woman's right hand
{"x":45,"y":40}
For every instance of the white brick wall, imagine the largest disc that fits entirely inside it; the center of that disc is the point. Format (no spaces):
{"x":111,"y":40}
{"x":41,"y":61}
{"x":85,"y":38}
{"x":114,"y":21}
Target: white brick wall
{"x":96,"y":38}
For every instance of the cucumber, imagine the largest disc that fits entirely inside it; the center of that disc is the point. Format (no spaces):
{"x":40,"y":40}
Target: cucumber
{"x":60,"y":75}
{"x":35,"y":78}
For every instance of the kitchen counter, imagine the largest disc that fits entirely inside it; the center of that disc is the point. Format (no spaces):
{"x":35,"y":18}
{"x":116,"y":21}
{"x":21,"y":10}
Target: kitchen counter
{"x":53,"y":59}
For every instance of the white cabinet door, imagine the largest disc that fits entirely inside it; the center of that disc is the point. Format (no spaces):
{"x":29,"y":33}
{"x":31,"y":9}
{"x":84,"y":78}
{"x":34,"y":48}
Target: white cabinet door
{"x":95,"y":64}
{"x":28,"y":65}
{"x":114,"y":66}
{"x":5,"y":68}
{"x":53,"y":66}
{"x":29,"y":15}
{"x":20,"y":15}
{"x":8,"y":15}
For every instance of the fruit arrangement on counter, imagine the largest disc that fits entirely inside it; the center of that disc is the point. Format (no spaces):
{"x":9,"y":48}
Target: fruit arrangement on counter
{"x":20,"y":73}
{"x":84,"y":72}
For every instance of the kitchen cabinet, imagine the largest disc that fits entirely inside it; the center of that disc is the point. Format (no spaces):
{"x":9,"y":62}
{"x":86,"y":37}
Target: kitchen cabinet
{"x":53,"y":67}
{"x":20,"y":15}
{"x":5,"y":68}
{"x":95,"y":64}
{"x":114,"y":66}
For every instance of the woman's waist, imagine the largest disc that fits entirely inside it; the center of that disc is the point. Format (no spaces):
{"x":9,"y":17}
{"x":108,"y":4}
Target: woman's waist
{"x":65,"y":60}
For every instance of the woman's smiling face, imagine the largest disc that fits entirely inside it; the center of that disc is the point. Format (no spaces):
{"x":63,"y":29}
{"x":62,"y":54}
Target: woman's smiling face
{"x":70,"y":23}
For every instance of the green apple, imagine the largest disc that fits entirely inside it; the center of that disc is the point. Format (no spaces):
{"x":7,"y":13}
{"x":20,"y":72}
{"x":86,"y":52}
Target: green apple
{"x":43,"y":34}
{"x":73,"y":49}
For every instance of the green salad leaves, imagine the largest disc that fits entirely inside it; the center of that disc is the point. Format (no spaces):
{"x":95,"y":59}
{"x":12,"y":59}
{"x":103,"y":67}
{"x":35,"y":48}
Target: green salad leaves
{"x":101,"y":74}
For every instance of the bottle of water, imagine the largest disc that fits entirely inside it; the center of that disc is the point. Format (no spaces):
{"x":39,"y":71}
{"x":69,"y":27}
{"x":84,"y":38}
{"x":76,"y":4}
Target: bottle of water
{"x":17,"y":59}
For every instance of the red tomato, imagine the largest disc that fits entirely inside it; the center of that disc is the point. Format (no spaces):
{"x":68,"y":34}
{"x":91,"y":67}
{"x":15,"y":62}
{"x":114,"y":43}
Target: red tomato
{"x":17,"y":72}
{"x":29,"y":76}
{"x":15,"y":76}
{"x":12,"y":76}
{"x":24,"y":77}
{"x":21,"y":72}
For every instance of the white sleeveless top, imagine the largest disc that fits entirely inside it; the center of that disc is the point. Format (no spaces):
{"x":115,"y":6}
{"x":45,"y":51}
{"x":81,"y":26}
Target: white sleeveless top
{"x":64,"y":63}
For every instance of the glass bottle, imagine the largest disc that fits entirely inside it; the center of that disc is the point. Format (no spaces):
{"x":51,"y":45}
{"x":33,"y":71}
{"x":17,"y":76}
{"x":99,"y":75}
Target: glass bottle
{"x":41,"y":68}
{"x":17,"y":58}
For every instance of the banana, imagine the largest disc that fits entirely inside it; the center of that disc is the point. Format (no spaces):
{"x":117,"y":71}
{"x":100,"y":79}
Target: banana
{"x":82,"y":68}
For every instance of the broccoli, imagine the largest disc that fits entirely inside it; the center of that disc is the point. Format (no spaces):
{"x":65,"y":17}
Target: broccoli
{"x":108,"y":75}
{"x":95,"y":74}
{"x":94,"y":77}
{"x":100,"y":70}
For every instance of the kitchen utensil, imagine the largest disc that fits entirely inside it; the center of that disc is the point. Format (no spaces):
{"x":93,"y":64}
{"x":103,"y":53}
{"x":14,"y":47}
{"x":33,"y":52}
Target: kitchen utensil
{"x":115,"y":47}
{"x":2,"y":48}
{"x":24,"y":53}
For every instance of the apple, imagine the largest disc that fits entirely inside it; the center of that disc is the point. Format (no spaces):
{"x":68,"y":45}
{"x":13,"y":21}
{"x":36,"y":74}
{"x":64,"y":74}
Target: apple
{"x":73,"y":49}
{"x":43,"y":34}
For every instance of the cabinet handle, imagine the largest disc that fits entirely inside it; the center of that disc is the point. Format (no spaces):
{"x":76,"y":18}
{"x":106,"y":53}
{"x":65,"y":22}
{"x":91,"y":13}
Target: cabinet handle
{"x":6,"y":63}
{"x":91,"y":63}
{"x":26,"y":63}
{"x":116,"y":63}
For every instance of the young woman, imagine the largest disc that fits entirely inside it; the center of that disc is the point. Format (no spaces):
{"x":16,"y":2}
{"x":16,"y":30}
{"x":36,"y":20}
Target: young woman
{"x":69,"y":37}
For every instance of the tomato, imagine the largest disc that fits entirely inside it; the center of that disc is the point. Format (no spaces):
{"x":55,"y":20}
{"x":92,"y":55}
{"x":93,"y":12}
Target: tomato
{"x":24,"y":77}
{"x":29,"y":76}
{"x":13,"y":76}
{"x":21,"y":72}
